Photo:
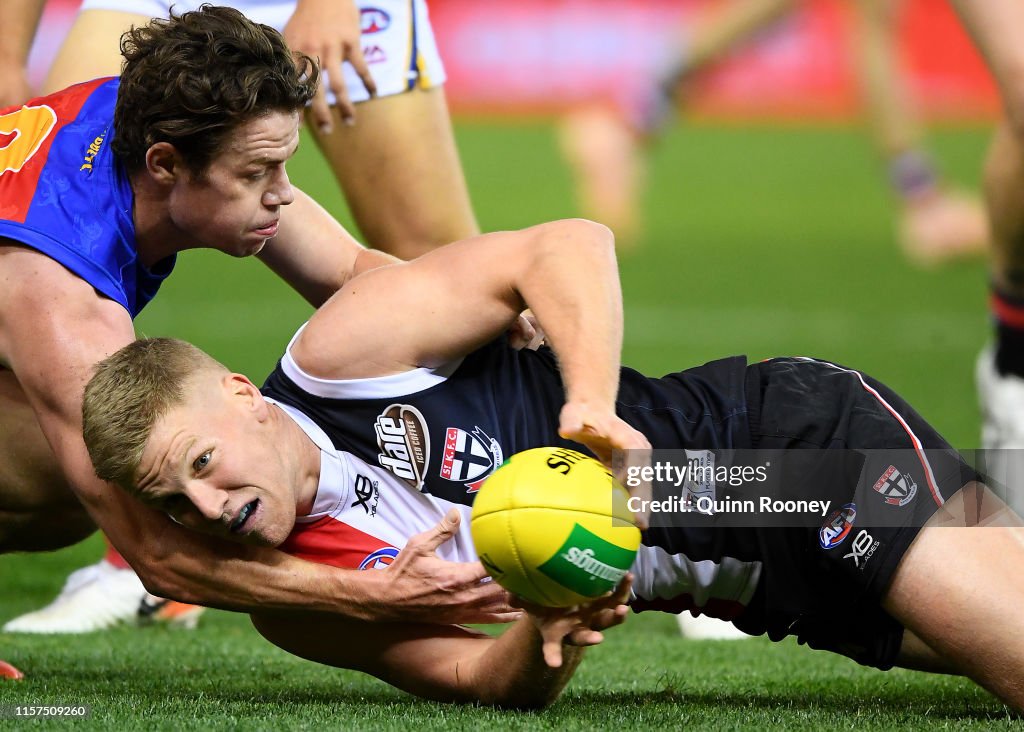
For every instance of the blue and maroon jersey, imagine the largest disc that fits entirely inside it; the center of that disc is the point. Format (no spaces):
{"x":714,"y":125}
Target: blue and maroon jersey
{"x":64,"y":193}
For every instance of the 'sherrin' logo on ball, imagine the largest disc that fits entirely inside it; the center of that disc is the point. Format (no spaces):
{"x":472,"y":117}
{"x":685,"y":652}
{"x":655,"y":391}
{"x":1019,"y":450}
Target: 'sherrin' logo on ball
{"x":588,"y":564}
{"x":552,"y":526}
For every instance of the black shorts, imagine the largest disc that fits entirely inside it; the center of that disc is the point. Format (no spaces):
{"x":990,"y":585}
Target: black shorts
{"x":825,"y":585}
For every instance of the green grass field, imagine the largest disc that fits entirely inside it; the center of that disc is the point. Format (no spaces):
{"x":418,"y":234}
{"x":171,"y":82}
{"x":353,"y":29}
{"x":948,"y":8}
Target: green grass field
{"x":764,"y":242}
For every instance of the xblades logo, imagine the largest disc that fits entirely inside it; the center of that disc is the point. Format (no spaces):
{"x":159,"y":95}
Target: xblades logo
{"x":365,"y":490}
{"x":863,"y":547}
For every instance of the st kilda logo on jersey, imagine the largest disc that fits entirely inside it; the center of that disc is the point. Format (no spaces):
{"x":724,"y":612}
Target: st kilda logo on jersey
{"x":469,"y":457}
{"x":898,"y":489}
{"x":404,"y":443}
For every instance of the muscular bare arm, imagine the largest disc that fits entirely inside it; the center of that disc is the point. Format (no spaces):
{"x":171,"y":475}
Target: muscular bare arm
{"x":53,"y":328}
{"x":526,"y":667}
{"x":19,"y":19}
{"x":314,"y":254}
{"x":455,"y":299}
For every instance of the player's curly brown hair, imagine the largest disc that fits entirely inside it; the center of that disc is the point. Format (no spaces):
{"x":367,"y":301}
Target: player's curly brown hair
{"x":193,"y":78}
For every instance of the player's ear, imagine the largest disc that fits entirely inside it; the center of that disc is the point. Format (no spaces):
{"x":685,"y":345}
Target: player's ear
{"x":248,"y":394}
{"x":163,"y":162}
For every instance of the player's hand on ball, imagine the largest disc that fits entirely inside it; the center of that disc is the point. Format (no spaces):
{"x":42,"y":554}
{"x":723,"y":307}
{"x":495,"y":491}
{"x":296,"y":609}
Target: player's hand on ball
{"x":613,"y":442}
{"x":578,"y":625}
{"x":422,"y":587}
{"x":599,"y":429}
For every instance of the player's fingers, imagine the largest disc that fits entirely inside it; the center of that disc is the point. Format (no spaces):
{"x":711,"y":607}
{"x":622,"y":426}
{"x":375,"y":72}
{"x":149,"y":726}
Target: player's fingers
{"x":521,"y":334}
{"x":362,"y":70}
{"x":552,"y":649}
{"x":336,"y":79}
{"x":445,"y":529}
{"x":488,"y":595}
{"x":608,"y":618}
{"x":624,"y":589}
{"x":320,"y":112}
{"x":583,"y":637}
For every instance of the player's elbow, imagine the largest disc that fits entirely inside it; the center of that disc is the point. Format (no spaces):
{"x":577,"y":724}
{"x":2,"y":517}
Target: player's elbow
{"x":530,"y":694}
{"x":579,"y":237}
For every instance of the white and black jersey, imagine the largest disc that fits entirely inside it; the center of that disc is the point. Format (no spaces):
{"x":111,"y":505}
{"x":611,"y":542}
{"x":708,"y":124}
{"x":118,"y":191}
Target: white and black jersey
{"x":399,"y":451}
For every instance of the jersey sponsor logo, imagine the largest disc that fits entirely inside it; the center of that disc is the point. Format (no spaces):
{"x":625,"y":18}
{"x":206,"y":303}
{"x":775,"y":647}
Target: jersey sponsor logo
{"x":379,"y":559}
{"x":373,"y":20}
{"x":862,"y":548}
{"x":469,"y":457}
{"x":374,"y":55}
{"x":22,"y":133}
{"x":92,"y":152}
{"x":404,"y":443}
{"x":837,"y":527}
{"x":898,"y":489}
{"x":367,"y":494}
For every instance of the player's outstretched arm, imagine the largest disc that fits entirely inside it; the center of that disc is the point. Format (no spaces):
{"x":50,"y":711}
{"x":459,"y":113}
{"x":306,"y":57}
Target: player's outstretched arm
{"x":184,"y":565}
{"x":526,"y":667}
{"x":314,"y":253}
{"x":57,"y":328}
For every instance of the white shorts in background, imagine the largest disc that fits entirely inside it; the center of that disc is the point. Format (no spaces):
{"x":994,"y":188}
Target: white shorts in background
{"x":398,"y":42}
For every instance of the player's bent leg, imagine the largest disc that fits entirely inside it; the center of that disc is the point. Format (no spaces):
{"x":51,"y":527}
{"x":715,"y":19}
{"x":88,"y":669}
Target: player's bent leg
{"x":957,"y":590}
{"x":400,"y":172}
{"x":38,"y":511}
{"x":92,"y":48}
{"x":917,"y":655}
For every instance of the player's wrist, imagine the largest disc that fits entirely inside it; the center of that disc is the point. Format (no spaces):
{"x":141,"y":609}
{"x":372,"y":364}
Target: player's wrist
{"x":362,"y":595}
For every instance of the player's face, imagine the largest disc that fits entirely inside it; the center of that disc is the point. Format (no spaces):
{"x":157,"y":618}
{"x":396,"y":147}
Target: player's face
{"x":235,"y":205}
{"x":212,"y":466}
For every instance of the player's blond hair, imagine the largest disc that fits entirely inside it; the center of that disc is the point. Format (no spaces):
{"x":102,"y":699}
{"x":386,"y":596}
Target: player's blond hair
{"x":129,"y":391}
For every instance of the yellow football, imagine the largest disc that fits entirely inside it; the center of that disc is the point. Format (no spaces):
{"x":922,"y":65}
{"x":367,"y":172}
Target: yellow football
{"x":552,"y":526}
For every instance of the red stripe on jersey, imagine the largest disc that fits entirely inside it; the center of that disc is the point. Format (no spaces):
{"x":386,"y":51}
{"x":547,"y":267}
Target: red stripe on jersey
{"x":1006,"y":312}
{"x":329,"y":541}
{"x":22,"y":155}
{"x":929,"y":476}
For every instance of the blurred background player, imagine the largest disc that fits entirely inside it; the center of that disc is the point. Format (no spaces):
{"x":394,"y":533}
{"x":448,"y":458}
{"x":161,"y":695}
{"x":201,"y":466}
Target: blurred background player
{"x":997,"y":27}
{"x":606,"y":145}
{"x":381,"y":121}
{"x":18,"y":18}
